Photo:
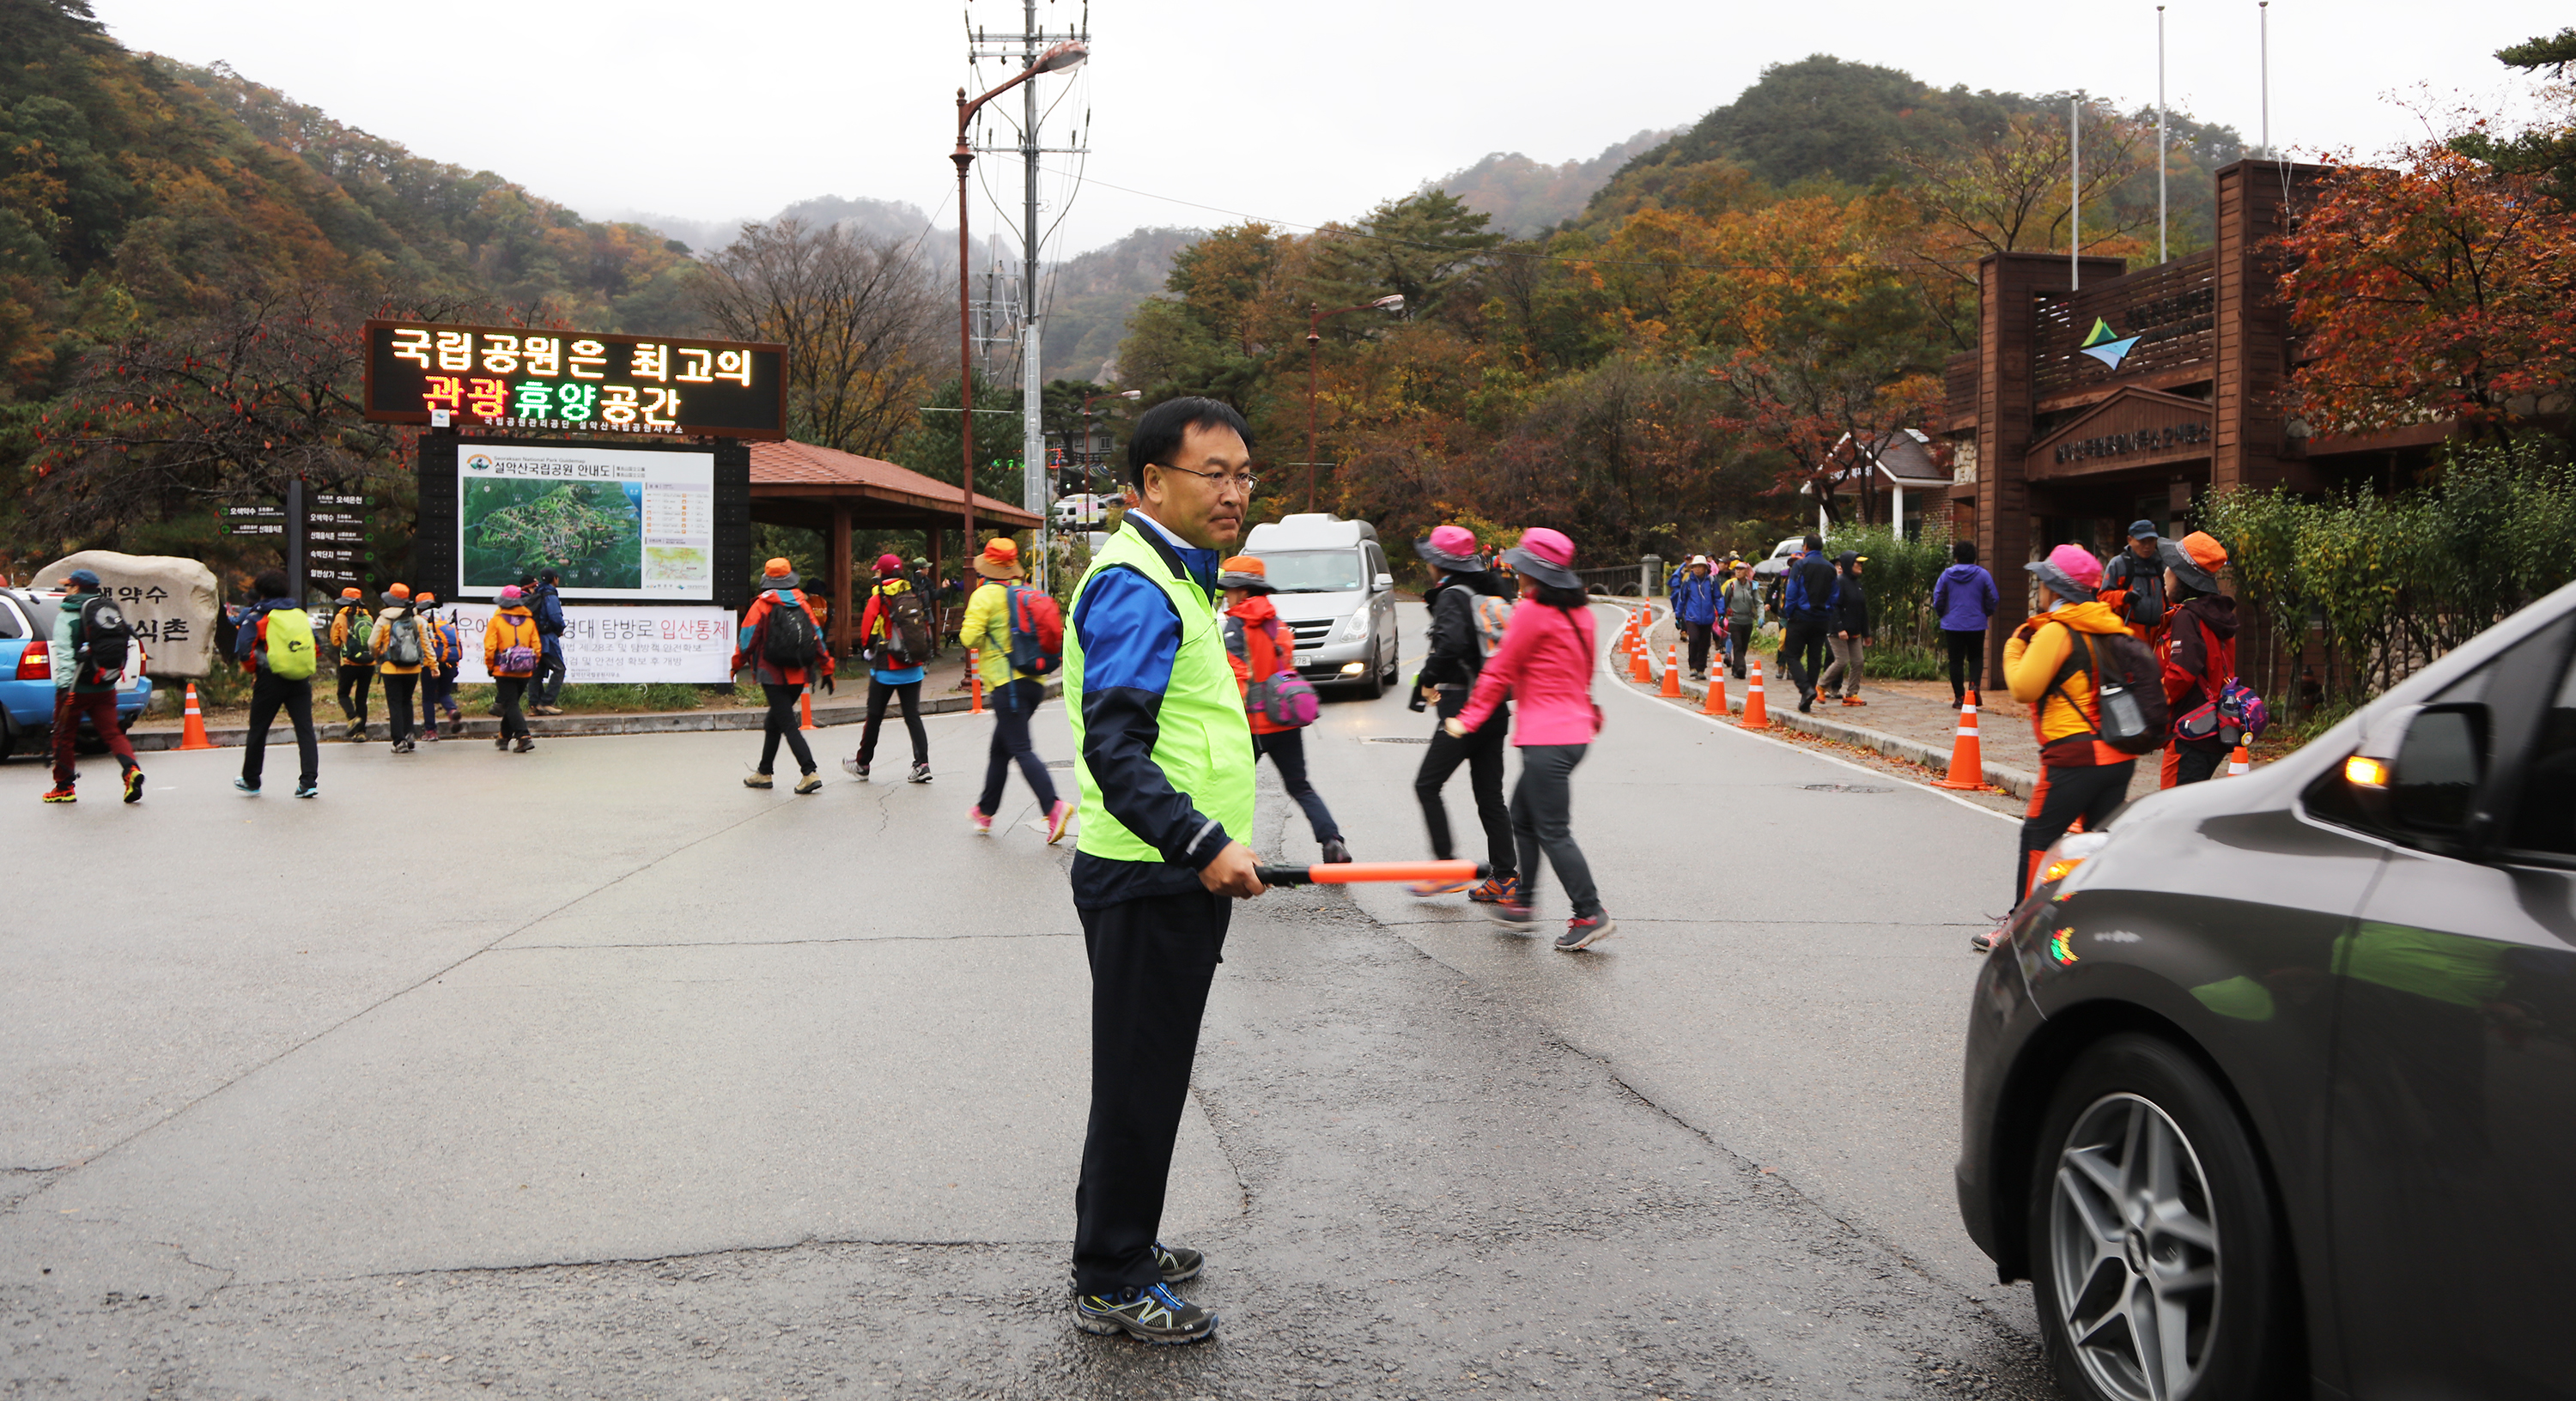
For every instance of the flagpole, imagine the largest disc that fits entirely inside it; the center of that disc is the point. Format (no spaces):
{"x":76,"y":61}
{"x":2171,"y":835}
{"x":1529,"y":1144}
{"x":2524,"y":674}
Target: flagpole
{"x":2264,"y":16}
{"x":2075,"y":194}
{"x":2161,"y":255}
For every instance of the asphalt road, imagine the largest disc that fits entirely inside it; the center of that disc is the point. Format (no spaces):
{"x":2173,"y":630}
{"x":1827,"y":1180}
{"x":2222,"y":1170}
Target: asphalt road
{"x":592,"y":1073}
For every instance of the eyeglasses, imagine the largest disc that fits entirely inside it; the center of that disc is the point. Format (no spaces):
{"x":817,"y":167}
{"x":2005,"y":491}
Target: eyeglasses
{"x":1244,"y":481}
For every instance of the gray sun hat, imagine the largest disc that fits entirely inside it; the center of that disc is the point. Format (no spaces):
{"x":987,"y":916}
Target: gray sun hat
{"x":2170,"y":554}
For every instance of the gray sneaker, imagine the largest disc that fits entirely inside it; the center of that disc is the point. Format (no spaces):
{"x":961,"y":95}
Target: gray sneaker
{"x":1584,"y":933}
{"x":1154,"y":1314}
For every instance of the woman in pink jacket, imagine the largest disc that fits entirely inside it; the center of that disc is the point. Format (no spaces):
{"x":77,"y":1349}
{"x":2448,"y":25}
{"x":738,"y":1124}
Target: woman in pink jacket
{"x":1544,"y":664}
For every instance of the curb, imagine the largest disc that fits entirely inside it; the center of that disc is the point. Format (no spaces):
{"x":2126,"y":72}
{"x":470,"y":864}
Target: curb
{"x":2017,"y":782}
{"x":836,"y":712}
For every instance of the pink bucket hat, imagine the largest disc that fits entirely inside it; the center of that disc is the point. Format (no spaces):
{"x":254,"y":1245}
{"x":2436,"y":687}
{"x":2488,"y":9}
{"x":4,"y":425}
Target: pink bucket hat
{"x":1451,"y":547}
{"x":2070,"y":571}
{"x":1545,"y":555}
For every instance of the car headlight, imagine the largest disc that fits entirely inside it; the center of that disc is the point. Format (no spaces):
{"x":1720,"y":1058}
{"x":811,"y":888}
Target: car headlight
{"x":1356,"y":626}
{"x":2070,"y":852}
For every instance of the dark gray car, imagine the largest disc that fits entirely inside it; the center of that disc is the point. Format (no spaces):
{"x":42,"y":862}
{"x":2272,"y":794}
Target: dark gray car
{"x":2272,"y":1089}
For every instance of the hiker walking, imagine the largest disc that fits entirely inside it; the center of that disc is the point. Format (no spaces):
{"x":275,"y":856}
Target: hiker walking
{"x":402,"y":654}
{"x":275,"y":645}
{"x":2199,"y":659}
{"x":1468,"y":615}
{"x":512,"y":649}
{"x":2050,"y":663}
{"x":92,"y":649}
{"x":783,"y":646}
{"x":1851,"y":632}
{"x":996,"y":619}
{"x":1964,"y":599}
{"x":1545,"y":662}
{"x":351,"y":622}
{"x":1264,"y":650}
{"x":1808,"y":607}
{"x":1165,"y":772}
{"x":894,"y":638}
{"x":1696,"y":606}
{"x":2133,"y":583}
{"x":1743,"y":615}
{"x":438,"y":674}
{"x":546,"y":606}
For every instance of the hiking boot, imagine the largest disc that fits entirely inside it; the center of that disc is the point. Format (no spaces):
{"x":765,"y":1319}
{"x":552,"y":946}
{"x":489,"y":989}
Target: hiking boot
{"x":1154,"y":1314}
{"x":430,"y":732}
{"x":1509,"y":912}
{"x":357,"y":730}
{"x":1336,"y":852}
{"x":1584,"y":933}
{"x":1497,"y":890}
{"x":134,"y":784}
{"x":1425,"y":889}
{"x":61,"y":793}
{"x":1854,"y":700}
{"x":983,"y":821}
{"x":920,"y":773}
{"x":756,"y":780}
{"x":1058,"y":818}
{"x":1177,"y":1262}
{"x":526,"y":744}
{"x":247,"y":786}
{"x":855,"y":769}
{"x":1806,"y":702}
{"x":308,"y":790}
{"x":501,"y":742}
{"x":810,"y":783}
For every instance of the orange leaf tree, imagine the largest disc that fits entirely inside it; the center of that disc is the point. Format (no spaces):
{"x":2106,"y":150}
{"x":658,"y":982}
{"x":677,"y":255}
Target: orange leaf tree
{"x":2441,"y":288}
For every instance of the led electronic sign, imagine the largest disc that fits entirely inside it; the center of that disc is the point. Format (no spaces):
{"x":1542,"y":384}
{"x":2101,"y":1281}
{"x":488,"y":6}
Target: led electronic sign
{"x":579,"y":381}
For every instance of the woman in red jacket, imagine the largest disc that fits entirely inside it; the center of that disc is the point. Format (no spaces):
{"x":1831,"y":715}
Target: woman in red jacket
{"x":1258,"y":644}
{"x":1544,"y":663}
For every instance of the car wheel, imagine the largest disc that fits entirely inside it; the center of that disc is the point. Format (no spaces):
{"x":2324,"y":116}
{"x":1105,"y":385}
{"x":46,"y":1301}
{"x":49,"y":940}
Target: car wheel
{"x":1374,"y":685}
{"x":2157,"y":1262}
{"x":8,"y":736}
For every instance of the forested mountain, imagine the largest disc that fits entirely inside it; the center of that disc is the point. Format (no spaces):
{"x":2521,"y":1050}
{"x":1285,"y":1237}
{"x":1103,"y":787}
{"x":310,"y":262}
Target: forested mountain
{"x":1525,"y":198}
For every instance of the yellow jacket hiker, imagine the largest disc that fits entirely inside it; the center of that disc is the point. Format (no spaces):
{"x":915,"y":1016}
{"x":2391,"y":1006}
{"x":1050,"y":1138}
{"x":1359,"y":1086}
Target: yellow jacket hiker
{"x":2080,"y":777}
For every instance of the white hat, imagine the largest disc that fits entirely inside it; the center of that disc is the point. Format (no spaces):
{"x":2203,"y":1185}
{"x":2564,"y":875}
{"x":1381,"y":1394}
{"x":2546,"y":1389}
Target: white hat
{"x":1699,"y":559}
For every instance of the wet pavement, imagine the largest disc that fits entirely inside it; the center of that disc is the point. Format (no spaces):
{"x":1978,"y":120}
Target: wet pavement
{"x":643,"y":1084}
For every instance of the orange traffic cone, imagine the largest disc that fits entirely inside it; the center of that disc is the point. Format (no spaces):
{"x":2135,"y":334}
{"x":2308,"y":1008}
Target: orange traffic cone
{"x":1638,"y":670}
{"x":192,"y":730}
{"x":1967,"y":759}
{"x":2238,"y":763}
{"x":1673,"y":671}
{"x":1716,"y":704}
{"x":1757,"y":716}
{"x":805,"y":709}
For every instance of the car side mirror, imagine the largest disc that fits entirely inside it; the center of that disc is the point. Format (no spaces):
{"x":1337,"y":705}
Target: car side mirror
{"x":1383,"y":582}
{"x":2425,"y":778}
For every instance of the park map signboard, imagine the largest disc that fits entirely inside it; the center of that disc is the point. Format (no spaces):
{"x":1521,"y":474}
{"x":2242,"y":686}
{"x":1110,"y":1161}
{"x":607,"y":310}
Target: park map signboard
{"x":616,"y":523}
{"x":522,"y":379}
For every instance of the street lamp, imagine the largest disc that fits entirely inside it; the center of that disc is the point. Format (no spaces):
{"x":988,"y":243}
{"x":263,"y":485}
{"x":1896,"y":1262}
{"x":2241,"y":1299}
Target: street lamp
{"x":1315,"y":319}
{"x":1063,"y":58}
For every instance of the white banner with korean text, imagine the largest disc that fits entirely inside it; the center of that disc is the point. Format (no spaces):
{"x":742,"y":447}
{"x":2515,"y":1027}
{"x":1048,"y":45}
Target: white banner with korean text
{"x":622,"y":645}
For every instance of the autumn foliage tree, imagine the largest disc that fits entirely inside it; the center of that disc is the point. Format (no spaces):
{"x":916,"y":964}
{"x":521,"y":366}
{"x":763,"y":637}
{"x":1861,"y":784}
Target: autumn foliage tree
{"x":2436,"y":288}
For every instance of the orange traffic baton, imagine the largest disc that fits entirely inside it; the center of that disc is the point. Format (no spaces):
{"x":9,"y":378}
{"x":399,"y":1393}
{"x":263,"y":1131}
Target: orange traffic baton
{"x":805,"y":709}
{"x":1357,"y":872}
{"x":192,"y":730}
{"x":1757,"y":715}
{"x":1673,"y":670}
{"x":974,"y":684}
{"x":1967,"y":760}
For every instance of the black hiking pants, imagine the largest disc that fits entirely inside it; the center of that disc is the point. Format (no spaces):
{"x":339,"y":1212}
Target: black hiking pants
{"x":781,"y":723}
{"x":1966,"y":650}
{"x":1286,"y":750}
{"x":1543,"y":820}
{"x":1699,"y":634}
{"x":1012,"y":707}
{"x":1739,"y":645}
{"x":1802,"y":655}
{"x":2064,"y":794}
{"x":267,"y":694}
{"x":398,"y":692}
{"x":909,"y":693}
{"x":508,"y":693}
{"x":1482,"y":752}
{"x":1152,"y":960}
{"x":353,"y":691}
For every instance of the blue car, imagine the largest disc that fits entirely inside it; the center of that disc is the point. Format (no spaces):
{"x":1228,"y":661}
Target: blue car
{"x":27,"y":675}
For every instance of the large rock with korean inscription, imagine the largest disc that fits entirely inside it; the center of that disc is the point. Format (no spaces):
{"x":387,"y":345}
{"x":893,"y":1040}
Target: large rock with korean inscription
{"x":170,"y":602}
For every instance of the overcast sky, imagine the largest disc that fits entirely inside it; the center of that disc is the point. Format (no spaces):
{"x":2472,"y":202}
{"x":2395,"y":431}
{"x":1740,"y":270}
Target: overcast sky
{"x":1303,"y":114}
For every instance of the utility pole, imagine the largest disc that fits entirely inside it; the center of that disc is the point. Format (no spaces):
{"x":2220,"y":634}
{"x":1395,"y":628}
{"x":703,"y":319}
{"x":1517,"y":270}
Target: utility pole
{"x":2075,"y":194}
{"x":2161,"y":255}
{"x":1023,"y":49}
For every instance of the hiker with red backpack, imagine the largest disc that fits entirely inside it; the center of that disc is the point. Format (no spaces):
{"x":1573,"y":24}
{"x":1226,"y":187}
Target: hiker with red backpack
{"x":2097,"y":702}
{"x":1277,"y":701}
{"x":2209,"y":705}
{"x":512,"y":648}
{"x":1008,"y":625}
{"x":275,"y":644}
{"x":895,"y":632}
{"x":93,"y":648}
{"x":1468,"y":614}
{"x":783,"y":645}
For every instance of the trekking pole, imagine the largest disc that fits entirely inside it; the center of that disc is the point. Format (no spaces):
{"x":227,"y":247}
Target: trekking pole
{"x":1356,"y":872}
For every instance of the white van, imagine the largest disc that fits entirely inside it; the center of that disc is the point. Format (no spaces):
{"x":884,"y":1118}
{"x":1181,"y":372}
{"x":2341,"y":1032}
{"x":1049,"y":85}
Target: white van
{"x":1335,"y":592}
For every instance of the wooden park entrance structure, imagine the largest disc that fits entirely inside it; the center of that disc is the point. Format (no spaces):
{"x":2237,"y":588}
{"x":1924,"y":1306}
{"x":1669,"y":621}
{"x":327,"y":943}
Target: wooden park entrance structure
{"x":835,"y":493}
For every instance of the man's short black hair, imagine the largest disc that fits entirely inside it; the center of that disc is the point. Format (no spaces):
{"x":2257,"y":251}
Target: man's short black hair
{"x":548,"y":575}
{"x":1160,"y":429}
{"x":1964,"y":551}
{"x":271,"y":583}
{"x":1815,"y":542}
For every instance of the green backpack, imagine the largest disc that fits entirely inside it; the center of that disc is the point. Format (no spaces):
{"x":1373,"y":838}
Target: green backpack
{"x":362,"y":630}
{"x":290,"y":644}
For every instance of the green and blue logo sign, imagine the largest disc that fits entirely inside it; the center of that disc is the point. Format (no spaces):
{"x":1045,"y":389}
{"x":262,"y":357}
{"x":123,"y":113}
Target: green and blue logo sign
{"x":2106,"y":345}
